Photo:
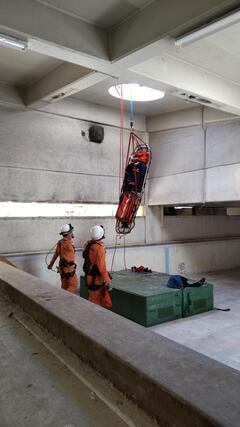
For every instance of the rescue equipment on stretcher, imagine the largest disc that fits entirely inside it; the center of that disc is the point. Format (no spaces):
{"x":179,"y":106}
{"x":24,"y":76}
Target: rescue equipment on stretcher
{"x":137,"y":166}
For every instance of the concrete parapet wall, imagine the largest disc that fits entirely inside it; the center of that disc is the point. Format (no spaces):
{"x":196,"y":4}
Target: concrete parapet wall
{"x":175,"y":385}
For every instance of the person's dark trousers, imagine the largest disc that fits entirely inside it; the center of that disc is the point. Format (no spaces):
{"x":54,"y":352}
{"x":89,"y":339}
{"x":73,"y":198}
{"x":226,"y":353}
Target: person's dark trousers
{"x":193,"y":285}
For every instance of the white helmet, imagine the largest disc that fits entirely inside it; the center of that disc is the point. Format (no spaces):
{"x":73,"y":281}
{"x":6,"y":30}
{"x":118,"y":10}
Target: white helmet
{"x":97,"y":232}
{"x":66,"y":228}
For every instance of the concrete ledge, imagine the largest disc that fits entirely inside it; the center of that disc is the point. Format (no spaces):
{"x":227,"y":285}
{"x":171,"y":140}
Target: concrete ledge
{"x":176,"y":385}
{"x":6,"y":261}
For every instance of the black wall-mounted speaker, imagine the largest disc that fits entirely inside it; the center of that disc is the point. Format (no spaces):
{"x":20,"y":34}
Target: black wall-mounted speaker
{"x":96,"y":134}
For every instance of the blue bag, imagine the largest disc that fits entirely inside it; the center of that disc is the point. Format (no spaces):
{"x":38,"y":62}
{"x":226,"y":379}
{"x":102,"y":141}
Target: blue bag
{"x":176,"y":282}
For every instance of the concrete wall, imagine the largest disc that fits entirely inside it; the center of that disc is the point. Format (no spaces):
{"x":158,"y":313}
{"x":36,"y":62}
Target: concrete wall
{"x":44,"y":158}
{"x":191,"y":165}
{"x":191,"y":116}
{"x":40,"y":234}
{"x":190,"y":259}
{"x":195,"y":258}
{"x":27,"y":241}
{"x":183,"y":228}
{"x":176,"y":386}
{"x":223,"y":162}
{"x":35,"y":263}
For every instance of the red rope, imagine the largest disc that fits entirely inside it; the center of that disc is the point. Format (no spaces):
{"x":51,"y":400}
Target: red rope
{"x":121,"y":162}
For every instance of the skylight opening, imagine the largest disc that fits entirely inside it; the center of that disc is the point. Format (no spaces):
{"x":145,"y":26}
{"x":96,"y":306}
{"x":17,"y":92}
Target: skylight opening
{"x":135,"y":92}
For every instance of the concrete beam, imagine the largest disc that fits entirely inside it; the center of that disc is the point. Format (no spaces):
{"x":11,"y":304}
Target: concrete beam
{"x":90,"y":112}
{"x":35,"y":20}
{"x":188,"y":117}
{"x":9,"y":97}
{"x":159,"y":20}
{"x":44,"y":47}
{"x":6,"y":261}
{"x":56,"y":34}
{"x":174,"y":384}
{"x":183,"y":188}
{"x":181,"y":77}
{"x":62,"y":82}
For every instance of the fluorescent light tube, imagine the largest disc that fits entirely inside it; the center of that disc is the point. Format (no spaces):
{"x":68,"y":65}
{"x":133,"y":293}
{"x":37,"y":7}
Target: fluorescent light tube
{"x":207,"y":30}
{"x":183,"y":207}
{"x":13,"y":42}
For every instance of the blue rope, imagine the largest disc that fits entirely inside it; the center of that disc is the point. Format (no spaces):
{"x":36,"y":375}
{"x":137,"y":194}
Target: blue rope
{"x":131,"y":113}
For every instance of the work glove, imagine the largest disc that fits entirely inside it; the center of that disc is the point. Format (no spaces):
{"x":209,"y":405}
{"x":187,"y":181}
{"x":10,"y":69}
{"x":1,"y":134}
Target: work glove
{"x":109,"y":287}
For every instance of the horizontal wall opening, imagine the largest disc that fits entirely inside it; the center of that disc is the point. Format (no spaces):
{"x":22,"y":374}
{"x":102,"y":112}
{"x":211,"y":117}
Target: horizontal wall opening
{"x":41,"y":209}
{"x":194,"y":210}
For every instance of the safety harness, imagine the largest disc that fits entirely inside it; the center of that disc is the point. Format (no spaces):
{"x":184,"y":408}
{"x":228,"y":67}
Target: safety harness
{"x":91,"y":269}
{"x":63,"y":263}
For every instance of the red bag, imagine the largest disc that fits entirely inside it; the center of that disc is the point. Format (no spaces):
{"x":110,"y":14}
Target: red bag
{"x":127,"y":207}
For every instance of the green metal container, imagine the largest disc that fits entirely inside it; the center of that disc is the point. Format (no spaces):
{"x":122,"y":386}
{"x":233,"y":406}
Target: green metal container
{"x":144,"y":298}
{"x":197,"y":300}
{"x":83,"y":288}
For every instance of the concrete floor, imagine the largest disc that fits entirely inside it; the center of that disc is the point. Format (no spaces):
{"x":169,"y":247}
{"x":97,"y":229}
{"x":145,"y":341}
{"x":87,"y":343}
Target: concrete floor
{"x":43,"y":384}
{"x":215,"y":333}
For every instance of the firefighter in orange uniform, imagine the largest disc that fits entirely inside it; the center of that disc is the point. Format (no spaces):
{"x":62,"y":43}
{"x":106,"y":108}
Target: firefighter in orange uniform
{"x":98,"y":280}
{"x":65,"y":250}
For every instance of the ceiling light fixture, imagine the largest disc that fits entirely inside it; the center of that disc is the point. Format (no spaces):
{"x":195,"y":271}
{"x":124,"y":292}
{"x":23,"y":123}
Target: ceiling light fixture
{"x":207,"y":30}
{"x":183,"y":207}
{"x":135,"y":92}
{"x":13,"y":42}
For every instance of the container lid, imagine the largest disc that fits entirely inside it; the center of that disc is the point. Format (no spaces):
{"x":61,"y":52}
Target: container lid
{"x":143,"y":284}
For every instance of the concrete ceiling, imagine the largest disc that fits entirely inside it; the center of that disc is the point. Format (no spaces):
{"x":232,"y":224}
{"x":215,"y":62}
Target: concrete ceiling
{"x":19,"y":68}
{"x":105,"y":14}
{"x":99,"y":95}
{"x":218,"y":53}
{"x":77,"y":48}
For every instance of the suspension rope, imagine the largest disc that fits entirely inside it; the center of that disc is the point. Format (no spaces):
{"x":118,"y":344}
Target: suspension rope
{"x":131,"y":141}
{"x":46,"y":257}
{"x":134,"y":142}
{"x":131,"y":112}
{"x":124,"y":252}
{"x":121,"y":165}
{"x":121,"y":161}
{"x":114,"y":253}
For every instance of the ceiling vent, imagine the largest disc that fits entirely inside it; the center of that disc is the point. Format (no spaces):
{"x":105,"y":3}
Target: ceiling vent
{"x":188,"y":96}
{"x":57,"y":95}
